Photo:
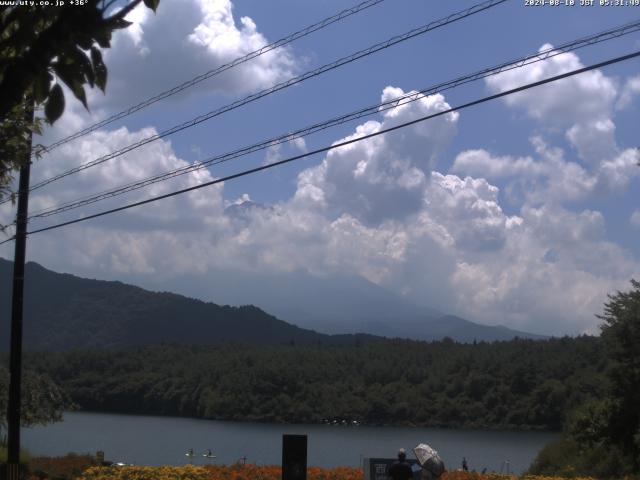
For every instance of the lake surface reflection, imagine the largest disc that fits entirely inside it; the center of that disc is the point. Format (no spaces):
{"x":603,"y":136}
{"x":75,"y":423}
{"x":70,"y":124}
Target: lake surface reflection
{"x":149,"y":440}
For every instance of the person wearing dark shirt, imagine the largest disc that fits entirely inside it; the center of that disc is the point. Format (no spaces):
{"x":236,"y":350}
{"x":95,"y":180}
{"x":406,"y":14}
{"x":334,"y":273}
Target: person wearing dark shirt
{"x":400,"y":469}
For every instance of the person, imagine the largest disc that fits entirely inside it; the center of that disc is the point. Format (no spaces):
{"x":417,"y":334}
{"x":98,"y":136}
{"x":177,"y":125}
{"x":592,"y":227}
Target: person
{"x":465,"y":467}
{"x":400,"y":469}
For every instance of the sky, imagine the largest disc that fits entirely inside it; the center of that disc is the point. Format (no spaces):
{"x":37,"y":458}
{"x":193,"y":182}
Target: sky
{"x":523,"y":211}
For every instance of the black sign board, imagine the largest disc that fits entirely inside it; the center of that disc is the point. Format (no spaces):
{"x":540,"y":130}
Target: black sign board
{"x":294,"y":457}
{"x":378,"y":468}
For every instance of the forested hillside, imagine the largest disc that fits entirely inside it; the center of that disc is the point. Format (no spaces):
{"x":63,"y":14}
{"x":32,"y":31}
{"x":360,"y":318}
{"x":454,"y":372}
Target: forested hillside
{"x":63,"y":312}
{"x":516,"y":384}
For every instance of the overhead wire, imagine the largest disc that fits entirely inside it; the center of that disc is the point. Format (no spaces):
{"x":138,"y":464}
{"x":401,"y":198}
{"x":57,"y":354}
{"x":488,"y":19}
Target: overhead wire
{"x":407,"y":98}
{"x":209,"y":74}
{"x":454,"y":17}
{"x":218,"y":70}
{"x":343,"y":143}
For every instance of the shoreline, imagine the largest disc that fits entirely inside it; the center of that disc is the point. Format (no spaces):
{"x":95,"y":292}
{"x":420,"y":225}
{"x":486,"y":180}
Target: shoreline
{"x":408,"y":425}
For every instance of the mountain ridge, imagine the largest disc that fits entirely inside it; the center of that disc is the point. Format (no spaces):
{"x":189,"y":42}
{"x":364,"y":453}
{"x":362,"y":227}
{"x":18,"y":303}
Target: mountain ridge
{"x":64,"y":311}
{"x":356,"y":305}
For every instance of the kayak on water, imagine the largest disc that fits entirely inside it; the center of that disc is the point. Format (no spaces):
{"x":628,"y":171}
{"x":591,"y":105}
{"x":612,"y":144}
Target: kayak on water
{"x":206,"y":455}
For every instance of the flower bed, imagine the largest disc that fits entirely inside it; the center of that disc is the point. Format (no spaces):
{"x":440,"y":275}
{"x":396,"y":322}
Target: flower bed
{"x":74,"y":467}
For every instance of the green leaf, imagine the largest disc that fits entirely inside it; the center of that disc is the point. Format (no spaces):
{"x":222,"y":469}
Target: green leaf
{"x":55,"y":105}
{"x":96,"y":57}
{"x":152,"y":4}
{"x":103,"y":36}
{"x":41,"y":86}
{"x":119,"y":23}
{"x":73,"y":76}
{"x":67,"y":73}
{"x":99,"y":68}
{"x":78,"y":91}
{"x":101,"y":77}
{"x":84,"y":41}
{"x":77,"y":59}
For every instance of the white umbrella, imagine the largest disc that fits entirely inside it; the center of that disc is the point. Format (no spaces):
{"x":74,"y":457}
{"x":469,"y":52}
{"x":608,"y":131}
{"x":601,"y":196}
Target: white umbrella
{"x":429,"y":459}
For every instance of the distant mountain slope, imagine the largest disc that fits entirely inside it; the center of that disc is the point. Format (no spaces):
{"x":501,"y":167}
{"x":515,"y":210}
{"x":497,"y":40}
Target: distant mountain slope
{"x":437,"y":328}
{"x":339,"y":304}
{"x":63,"y":311}
{"x":335,"y":304}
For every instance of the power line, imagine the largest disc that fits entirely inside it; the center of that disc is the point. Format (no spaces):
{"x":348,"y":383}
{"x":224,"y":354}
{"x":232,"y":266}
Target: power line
{"x":342,"y":144}
{"x":216,"y":71}
{"x":211,"y":73}
{"x":454,"y":17}
{"x":392,"y":103}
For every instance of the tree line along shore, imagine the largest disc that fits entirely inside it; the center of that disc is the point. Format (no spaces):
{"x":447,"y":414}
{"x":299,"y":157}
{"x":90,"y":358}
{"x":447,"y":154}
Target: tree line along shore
{"x":521,"y":384}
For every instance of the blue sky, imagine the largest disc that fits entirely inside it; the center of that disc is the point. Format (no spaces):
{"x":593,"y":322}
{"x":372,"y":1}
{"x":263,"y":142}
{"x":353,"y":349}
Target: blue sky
{"x":522,"y":212}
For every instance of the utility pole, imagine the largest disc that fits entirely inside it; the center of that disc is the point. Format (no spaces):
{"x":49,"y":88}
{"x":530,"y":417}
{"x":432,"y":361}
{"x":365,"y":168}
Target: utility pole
{"x":15,"y":355}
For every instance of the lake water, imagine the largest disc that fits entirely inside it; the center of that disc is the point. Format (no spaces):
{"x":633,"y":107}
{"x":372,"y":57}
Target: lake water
{"x":149,"y":440}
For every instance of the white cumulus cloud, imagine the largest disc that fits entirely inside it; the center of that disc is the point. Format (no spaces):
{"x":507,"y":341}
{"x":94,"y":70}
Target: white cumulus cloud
{"x":565,"y":102}
{"x":382,"y":177}
{"x":181,"y":40}
{"x":581,"y":105}
{"x":468,"y":208}
{"x":630,"y":90}
{"x":480,"y":163}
